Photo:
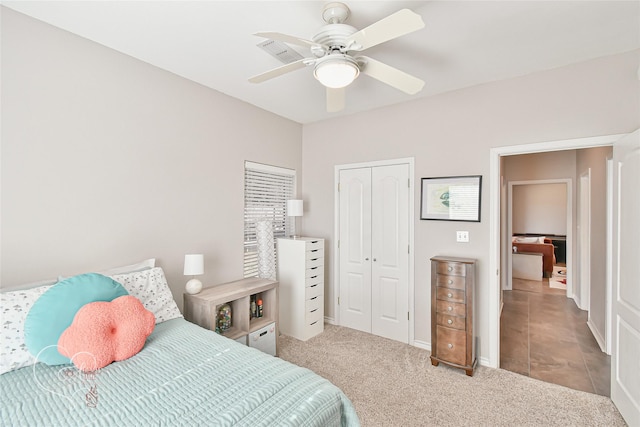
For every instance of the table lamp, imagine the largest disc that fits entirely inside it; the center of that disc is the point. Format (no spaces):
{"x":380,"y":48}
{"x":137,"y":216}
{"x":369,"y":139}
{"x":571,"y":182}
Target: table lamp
{"x":294,"y":209}
{"x":193,"y":266}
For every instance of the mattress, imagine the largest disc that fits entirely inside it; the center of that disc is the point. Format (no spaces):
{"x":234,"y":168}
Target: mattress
{"x":185,"y":375}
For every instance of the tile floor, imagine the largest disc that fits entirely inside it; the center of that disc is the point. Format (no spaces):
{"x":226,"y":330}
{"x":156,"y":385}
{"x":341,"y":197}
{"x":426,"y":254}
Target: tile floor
{"x":544,"y":335}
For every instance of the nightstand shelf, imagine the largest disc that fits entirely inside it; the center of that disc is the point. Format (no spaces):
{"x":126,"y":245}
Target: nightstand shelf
{"x":202,"y":309}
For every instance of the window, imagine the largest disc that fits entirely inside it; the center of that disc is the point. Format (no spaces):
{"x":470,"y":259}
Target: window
{"x":266,"y":191}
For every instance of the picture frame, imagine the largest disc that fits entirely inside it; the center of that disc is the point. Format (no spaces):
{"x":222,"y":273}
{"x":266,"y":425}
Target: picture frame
{"x":451,"y":198}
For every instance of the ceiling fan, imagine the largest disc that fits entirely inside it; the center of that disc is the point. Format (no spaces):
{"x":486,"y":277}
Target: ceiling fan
{"x":335,"y":53}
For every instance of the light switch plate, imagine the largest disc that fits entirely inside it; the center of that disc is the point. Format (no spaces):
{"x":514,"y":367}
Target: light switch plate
{"x":462,"y":236}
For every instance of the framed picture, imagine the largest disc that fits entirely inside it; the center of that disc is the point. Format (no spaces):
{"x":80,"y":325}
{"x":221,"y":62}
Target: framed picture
{"x":451,"y":198}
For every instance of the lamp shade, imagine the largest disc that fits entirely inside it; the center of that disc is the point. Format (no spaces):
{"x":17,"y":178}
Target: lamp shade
{"x":336,"y":71}
{"x":193,"y":264}
{"x":294,"y":207}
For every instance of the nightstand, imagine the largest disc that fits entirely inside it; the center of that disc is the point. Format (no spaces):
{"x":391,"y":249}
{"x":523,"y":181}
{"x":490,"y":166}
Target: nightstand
{"x":202,"y":309}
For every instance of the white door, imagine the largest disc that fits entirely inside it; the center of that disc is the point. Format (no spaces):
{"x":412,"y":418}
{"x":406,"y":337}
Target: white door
{"x":390,"y":252}
{"x":355,"y":248}
{"x":625,"y":369}
{"x":374,"y":243}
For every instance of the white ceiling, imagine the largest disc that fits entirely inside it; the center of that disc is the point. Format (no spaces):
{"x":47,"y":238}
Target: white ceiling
{"x":464,"y":43}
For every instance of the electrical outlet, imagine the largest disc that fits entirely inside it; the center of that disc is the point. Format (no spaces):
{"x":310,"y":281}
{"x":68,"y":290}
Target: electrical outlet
{"x":462,"y":236}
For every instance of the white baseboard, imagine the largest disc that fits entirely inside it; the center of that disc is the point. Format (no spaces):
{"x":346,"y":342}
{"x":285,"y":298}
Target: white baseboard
{"x":597,"y":335}
{"x":330,"y":320}
{"x":423,"y":345}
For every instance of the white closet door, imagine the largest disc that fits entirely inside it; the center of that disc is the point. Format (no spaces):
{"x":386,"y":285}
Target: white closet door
{"x":374,"y":250}
{"x":390,"y":252}
{"x":625,"y":369}
{"x":355,"y":249}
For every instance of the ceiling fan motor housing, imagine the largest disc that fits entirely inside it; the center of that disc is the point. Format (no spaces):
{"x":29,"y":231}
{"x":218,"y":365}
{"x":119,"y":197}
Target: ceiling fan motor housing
{"x":335,"y":36}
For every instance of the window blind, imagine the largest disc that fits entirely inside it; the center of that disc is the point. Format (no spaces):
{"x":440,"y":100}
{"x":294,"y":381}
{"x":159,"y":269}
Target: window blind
{"x":266,"y":191}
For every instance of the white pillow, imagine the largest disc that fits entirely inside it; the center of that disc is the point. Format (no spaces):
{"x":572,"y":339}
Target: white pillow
{"x":141,"y":266}
{"x":15,"y":305}
{"x":151,"y":288}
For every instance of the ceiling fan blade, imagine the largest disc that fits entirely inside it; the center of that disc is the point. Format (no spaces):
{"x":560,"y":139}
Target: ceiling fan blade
{"x":335,"y":99}
{"x":278,"y":71}
{"x":391,"y":76}
{"x":286,"y":38}
{"x":398,"y":24}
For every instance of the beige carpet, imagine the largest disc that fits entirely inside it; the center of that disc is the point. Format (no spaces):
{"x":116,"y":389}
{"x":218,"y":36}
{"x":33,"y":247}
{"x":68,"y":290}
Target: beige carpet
{"x":394,"y":384}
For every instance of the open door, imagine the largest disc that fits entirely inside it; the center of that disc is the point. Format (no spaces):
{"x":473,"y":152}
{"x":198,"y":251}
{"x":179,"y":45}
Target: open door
{"x":625,"y":369}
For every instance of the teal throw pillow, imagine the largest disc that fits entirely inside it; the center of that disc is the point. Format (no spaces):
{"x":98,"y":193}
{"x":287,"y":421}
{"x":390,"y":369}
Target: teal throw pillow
{"x":54,"y":311}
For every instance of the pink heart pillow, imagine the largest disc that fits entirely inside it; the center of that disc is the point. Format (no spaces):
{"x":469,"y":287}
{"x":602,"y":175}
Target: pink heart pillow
{"x":104,"y":332}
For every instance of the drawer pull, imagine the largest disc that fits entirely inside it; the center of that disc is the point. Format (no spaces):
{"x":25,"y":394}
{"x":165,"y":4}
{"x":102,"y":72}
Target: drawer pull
{"x":450,"y":345}
{"x":313,"y":311}
{"x":450,"y":269}
{"x":313,"y":259}
{"x":450,"y":282}
{"x":450,"y":308}
{"x":313,"y":286}
{"x":449,"y":321}
{"x":311,"y":324}
{"x":449,"y":295}
{"x":313,"y":277}
{"x":313,"y":250}
{"x":313,"y":268}
{"x":313,"y":298}
{"x":314,"y":241}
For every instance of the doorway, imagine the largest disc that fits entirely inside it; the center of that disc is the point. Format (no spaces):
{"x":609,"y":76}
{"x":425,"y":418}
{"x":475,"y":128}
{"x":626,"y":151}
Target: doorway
{"x":374,"y":280}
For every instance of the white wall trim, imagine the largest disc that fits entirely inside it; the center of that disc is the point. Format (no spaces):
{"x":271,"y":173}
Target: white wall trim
{"x":410,"y":161}
{"x":493,"y":358}
{"x":584,"y":241}
{"x":609,"y":264}
{"x":423,"y":345}
{"x":599,"y":338}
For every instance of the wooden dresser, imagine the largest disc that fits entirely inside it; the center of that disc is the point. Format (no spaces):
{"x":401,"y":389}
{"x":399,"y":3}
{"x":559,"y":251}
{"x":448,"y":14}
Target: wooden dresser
{"x":452,"y":285}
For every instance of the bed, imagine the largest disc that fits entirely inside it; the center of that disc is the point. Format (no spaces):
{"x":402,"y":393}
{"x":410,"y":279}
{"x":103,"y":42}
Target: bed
{"x":184,"y":375}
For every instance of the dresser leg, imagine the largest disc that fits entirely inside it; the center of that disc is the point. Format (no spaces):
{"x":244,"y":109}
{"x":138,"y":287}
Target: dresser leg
{"x":434,"y":362}
{"x":469,"y":372}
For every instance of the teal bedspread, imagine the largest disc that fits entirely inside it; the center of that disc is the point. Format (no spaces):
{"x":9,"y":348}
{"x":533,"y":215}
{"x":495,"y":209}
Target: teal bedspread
{"x":185,"y":375}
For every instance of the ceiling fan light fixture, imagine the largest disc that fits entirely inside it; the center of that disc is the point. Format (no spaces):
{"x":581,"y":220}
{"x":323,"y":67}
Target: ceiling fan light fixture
{"x":336,"y":73}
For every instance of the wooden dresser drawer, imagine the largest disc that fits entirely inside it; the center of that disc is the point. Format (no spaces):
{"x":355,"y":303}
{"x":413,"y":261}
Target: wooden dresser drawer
{"x":451,"y":345}
{"x":453,"y":295}
{"x":455,"y":322}
{"x":453,"y":282}
{"x":451,"y":308}
{"x":451,"y":268}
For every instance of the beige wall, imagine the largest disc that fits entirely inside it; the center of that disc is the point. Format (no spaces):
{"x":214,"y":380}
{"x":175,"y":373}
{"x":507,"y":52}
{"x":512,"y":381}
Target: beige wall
{"x":452,"y":134}
{"x":107,"y":160}
{"x":539,"y":209}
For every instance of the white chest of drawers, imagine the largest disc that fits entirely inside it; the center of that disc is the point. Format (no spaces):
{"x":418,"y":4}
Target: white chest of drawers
{"x":301,"y":277}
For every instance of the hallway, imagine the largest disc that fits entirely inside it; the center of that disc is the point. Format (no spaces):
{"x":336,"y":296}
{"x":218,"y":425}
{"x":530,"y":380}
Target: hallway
{"x":545,"y":336}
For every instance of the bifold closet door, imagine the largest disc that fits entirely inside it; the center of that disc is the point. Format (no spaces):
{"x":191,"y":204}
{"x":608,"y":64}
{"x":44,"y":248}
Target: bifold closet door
{"x":374,"y":246}
{"x":355,"y":249}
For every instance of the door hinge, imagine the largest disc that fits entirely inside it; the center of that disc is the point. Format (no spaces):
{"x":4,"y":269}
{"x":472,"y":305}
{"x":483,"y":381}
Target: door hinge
{"x":338,"y":244}
{"x":409,"y":182}
{"x":338,"y":187}
{"x":338,"y":300}
{"x":407,"y":315}
{"x":409,"y":249}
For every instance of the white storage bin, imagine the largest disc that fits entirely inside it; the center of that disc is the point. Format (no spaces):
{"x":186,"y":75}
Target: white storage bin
{"x":264,"y":339}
